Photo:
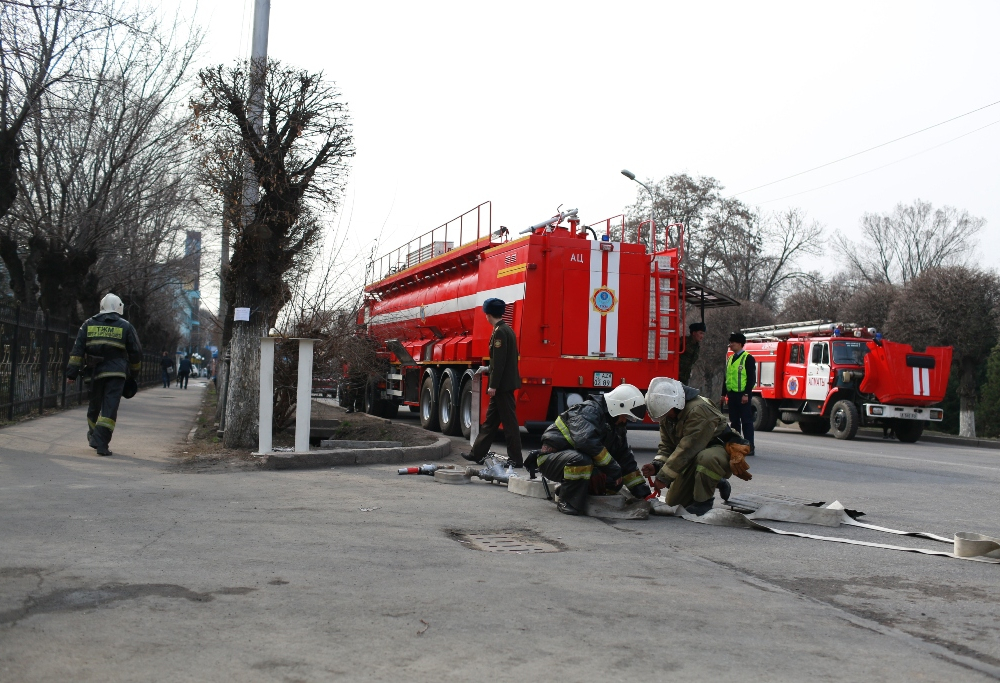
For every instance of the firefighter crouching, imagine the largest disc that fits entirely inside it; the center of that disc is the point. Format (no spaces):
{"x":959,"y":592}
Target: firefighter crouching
{"x":586,"y":449}
{"x":108,"y":346}
{"x":698,"y":451}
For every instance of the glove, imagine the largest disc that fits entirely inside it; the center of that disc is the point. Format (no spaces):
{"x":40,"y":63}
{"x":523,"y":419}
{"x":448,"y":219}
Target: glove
{"x":652,"y":468}
{"x":737,"y":460}
{"x":72,"y":372}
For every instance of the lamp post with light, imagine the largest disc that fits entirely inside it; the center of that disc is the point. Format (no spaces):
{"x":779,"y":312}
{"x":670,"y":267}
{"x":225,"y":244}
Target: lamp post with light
{"x":652,"y":225}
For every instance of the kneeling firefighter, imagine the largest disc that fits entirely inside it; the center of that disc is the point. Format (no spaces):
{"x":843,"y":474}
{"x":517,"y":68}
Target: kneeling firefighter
{"x":587,"y":449}
{"x":108,"y":346}
{"x":698,"y":451}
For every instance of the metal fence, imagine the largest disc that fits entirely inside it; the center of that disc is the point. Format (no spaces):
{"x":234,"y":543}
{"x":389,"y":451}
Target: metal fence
{"x":34,"y":350}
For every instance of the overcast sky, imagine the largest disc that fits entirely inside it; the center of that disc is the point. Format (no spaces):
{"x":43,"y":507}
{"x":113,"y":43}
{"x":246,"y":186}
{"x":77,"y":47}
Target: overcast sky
{"x":536,"y":104}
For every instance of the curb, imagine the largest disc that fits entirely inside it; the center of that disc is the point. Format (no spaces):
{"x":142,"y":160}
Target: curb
{"x":945,"y":439}
{"x":358,"y":456}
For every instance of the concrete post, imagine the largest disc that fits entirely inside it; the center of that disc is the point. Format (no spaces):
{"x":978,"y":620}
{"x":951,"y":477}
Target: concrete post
{"x":303,"y":395}
{"x":266,"y":395}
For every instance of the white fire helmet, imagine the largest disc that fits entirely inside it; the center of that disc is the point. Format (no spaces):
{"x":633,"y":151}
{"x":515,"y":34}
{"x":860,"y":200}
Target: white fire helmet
{"x":626,"y":400}
{"x":112,"y":304}
{"x":663,"y":394}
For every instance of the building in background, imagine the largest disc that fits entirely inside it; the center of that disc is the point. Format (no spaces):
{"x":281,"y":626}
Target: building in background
{"x":191,"y":335}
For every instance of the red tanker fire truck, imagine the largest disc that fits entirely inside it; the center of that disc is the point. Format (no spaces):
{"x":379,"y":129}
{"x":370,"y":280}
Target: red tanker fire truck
{"x":837,"y":377}
{"x":590,"y":311}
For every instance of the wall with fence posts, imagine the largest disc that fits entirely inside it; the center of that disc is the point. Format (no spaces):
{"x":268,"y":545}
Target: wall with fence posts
{"x":34,"y":350}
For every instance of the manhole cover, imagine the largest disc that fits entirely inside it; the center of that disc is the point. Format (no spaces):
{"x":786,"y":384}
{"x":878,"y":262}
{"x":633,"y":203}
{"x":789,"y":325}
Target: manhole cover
{"x":506,"y":543}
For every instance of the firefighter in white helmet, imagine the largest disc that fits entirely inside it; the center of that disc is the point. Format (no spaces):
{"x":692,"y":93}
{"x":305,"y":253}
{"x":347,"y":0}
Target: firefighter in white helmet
{"x":108,"y":346}
{"x":698,"y":451}
{"x":587,"y":449}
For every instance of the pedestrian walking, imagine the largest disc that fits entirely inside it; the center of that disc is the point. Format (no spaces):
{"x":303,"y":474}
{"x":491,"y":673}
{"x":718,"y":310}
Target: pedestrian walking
{"x":108,"y":346}
{"x":183,"y":372}
{"x":741,"y":378}
{"x":167,"y":364}
{"x":504,"y":381}
{"x":692,"y":347}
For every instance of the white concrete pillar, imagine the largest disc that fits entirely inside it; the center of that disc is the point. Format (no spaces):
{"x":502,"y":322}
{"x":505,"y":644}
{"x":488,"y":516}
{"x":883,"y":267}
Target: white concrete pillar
{"x":266,"y":395}
{"x":303,"y":395}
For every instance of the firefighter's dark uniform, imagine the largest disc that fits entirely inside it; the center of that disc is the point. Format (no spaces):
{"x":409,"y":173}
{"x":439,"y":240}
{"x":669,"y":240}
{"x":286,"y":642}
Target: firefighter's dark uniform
{"x":109,"y":347}
{"x":502,"y":409}
{"x":584,"y":437}
{"x":692,"y":456}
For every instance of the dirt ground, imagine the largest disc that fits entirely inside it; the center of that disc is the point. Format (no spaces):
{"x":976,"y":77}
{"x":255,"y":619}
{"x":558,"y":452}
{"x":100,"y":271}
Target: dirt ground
{"x":205,"y":452}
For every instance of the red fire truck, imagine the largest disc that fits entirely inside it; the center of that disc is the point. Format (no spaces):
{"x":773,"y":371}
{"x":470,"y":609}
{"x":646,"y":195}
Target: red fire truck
{"x":590,"y":311}
{"x":838,"y":377}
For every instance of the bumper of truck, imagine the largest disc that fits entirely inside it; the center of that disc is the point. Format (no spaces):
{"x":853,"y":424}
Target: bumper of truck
{"x":883,"y":411}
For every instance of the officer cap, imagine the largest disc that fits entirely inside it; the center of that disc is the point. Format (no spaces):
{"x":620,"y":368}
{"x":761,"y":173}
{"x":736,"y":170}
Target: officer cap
{"x":697,"y":327}
{"x":494,"y":307}
{"x":738,"y":337}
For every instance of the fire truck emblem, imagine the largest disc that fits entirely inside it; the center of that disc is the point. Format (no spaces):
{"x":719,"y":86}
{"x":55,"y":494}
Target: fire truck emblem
{"x":792,"y":385}
{"x":604,"y":300}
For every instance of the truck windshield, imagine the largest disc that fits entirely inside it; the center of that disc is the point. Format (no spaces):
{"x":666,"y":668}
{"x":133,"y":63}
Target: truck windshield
{"x":849,"y":352}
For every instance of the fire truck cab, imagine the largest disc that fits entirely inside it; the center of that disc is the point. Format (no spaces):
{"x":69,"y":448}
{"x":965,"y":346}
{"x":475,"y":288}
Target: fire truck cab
{"x":837,"y":377}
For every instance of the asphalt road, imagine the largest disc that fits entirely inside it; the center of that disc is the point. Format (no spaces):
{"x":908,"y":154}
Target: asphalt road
{"x":130,"y":568}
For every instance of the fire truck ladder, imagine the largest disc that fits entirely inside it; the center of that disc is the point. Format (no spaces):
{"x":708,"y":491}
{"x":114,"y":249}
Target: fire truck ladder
{"x":666,"y":284}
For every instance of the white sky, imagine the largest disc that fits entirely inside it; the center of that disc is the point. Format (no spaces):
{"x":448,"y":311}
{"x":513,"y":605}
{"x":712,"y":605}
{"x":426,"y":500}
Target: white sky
{"x":536,"y":104}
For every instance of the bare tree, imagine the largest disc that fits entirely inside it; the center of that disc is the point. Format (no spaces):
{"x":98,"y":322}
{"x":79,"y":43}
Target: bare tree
{"x":814,"y":298}
{"x":954,"y":306}
{"x":899,"y":246}
{"x":104,"y":169}
{"x":300,"y":160}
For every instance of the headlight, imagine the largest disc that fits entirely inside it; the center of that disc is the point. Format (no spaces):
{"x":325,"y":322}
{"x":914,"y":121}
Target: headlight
{"x":573,"y":399}
{"x":877,"y":410}
{"x":937,"y":414}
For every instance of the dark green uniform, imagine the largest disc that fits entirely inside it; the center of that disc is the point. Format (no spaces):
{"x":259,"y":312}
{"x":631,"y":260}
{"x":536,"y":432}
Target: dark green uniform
{"x":688,"y":359}
{"x":109,"y":346}
{"x":504,"y":378}
{"x":693,"y":456}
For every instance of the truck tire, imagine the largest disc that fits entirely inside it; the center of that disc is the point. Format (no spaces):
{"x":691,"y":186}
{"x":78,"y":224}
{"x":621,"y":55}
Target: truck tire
{"x":845,"y":420}
{"x":764,"y":417}
{"x":465,"y":416}
{"x":428,"y":405}
{"x":908,"y":431}
{"x":372,"y":405}
{"x":448,"y":411}
{"x":390,"y":409}
{"x":815,"y":427}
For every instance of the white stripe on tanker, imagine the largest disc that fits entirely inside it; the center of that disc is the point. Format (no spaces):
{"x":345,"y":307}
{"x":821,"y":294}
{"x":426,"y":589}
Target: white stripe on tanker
{"x":508,"y":294}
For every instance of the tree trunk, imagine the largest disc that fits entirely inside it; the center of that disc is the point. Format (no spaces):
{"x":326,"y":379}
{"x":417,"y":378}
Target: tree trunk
{"x":242,"y":405}
{"x":221,"y":375}
{"x":967,"y":399}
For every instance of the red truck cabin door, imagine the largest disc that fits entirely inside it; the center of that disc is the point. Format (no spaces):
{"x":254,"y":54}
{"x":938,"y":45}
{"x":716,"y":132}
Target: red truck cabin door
{"x":818,"y":371}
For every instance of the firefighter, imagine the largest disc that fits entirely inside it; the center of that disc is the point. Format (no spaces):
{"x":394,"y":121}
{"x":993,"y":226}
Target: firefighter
{"x":698,"y":451}
{"x":741,"y":378}
{"x":504,"y":380}
{"x":108,"y":346}
{"x":593,"y":435}
{"x":692,"y":347}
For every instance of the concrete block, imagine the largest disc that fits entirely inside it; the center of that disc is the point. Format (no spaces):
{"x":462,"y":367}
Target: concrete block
{"x":452,"y":477}
{"x":616,"y":507}
{"x":377,"y":456}
{"x":344,"y":443}
{"x":532,"y":488}
{"x":362,"y":456}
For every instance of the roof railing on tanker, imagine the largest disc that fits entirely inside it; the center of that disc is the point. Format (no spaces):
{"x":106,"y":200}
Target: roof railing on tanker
{"x":466,"y":228}
{"x":615,"y":227}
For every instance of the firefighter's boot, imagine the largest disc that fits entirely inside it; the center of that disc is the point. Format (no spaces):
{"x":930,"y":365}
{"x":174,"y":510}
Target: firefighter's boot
{"x":471,"y":458}
{"x":725,"y":489}
{"x":701,"y":508}
{"x":567,"y":509}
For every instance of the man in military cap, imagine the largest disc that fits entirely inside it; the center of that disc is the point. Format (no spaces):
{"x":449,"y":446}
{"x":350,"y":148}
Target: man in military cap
{"x":692,"y":347}
{"x":108,"y":345}
{"x":504,"y":380}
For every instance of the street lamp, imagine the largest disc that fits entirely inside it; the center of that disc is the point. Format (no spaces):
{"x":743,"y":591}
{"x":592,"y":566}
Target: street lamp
{"x":631,"y":176}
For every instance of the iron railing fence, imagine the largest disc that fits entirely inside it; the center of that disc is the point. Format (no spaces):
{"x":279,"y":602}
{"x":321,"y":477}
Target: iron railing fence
{"x":34,"y":351}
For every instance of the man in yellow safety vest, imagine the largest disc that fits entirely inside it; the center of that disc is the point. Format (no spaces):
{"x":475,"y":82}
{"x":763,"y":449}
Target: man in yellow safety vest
{"x":741,"y":378}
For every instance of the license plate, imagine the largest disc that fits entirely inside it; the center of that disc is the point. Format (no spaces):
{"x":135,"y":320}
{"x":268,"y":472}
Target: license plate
{"x":602,"y":379}
{"x":907,"y":415}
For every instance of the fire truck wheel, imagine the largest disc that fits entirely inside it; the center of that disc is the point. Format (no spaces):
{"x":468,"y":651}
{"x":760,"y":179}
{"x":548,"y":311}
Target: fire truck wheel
{"x":908,"y":431}
{"x":764,"y":416}
{"x":815,"y":427}
{"x":428,"y":405}
{"x":465,"y":416}
{"x":844,"y":420}
{"x":448,"y":412}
